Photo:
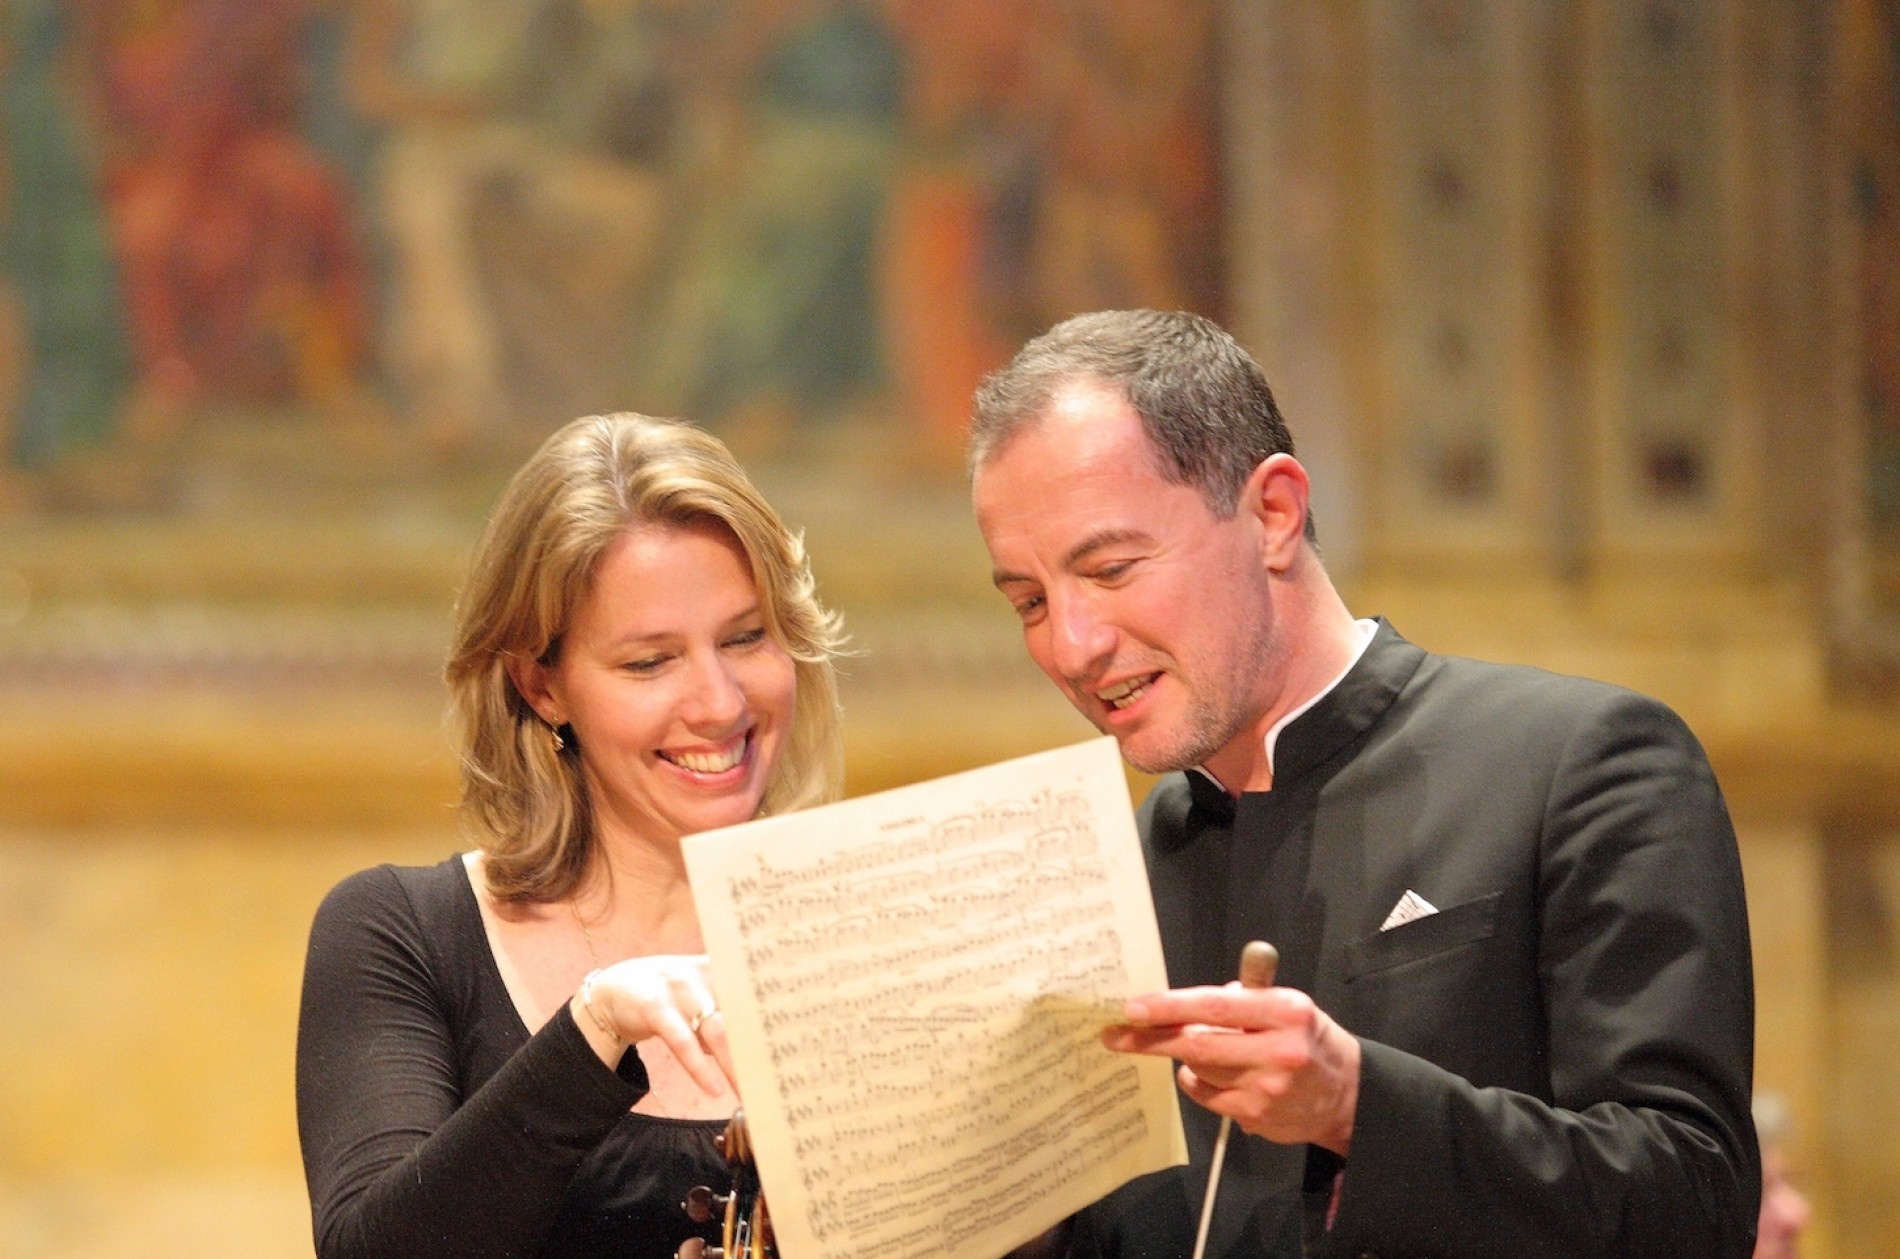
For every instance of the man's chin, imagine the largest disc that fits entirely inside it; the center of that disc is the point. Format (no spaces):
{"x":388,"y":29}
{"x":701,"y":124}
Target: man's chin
{"x":1159,"y":747}
{"x":1150,"y":757}
{"x":1144,"y":744}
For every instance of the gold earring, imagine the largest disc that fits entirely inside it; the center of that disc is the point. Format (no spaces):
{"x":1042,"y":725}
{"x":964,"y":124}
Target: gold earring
{"x":554,"y":737}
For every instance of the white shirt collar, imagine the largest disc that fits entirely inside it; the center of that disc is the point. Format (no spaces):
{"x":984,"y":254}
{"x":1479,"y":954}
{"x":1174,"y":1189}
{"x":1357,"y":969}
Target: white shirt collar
{"x":1365,"y":629}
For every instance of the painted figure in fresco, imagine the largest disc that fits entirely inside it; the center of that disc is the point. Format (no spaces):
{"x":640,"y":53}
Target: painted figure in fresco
{"x":1878,"y":203}
{"x":1126,"y":201}
{"x":771,"y":314}
{"x":65,"y":362}
{"x":956,"y":223}
{"x":757,"y":211}
{"x":526,"y":184}
{"x":1058,"y":158}
{"x":239,"y":257}
{"x":596,"y":201}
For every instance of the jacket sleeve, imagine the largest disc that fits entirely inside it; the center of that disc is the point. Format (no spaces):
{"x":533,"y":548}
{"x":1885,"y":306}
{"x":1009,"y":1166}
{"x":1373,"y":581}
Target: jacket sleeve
{"x":1644,"y":1145}
{"x":399,"y":1162}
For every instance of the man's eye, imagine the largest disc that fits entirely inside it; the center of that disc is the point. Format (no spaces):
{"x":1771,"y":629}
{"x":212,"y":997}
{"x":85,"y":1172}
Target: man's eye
{"x":1028,"y":606}
{"x":1110,"y":572}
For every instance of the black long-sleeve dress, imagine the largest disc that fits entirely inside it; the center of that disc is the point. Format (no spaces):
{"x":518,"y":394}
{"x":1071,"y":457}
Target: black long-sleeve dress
{"x":433,"y":1124}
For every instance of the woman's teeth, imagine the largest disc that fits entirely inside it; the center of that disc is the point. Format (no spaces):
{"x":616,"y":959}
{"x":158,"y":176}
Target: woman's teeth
{"x":709,"y":762}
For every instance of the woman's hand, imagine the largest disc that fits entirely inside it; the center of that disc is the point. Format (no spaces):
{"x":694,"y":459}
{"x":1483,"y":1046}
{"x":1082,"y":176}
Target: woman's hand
{"x":668,"y":996}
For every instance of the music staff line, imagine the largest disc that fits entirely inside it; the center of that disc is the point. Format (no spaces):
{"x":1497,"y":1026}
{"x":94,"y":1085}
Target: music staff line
{"x":996,"y":1039}
{"x":923,"y":1192}
{"x":1048,"y":810}
{"x":846,"y":895}
{"x":945,"y":904}
{"x":848,"y":1093}
{"x":905,"y":973}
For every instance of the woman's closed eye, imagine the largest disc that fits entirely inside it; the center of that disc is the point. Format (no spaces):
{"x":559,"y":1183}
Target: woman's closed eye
{"x":647,"y":664}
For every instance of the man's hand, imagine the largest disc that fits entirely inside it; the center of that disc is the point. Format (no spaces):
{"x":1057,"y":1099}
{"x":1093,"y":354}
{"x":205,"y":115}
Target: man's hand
{"x":1267,"y":1056}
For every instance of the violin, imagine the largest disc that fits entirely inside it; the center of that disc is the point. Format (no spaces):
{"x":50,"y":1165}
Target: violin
{"x":746,"y":1232}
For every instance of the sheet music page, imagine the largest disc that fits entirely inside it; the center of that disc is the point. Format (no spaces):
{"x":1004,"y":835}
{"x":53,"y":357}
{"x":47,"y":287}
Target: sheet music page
{"x":913,"y":983}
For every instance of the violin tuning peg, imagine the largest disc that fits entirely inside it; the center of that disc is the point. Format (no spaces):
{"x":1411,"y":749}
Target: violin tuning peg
{"x":692,"y":1248}
{"x":698,"y":1207}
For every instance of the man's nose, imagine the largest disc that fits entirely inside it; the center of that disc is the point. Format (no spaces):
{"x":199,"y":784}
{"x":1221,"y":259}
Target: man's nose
{"x":1082,"y":642}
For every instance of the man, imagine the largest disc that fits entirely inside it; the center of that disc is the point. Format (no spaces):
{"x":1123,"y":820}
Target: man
{"x":1514,"y":1014}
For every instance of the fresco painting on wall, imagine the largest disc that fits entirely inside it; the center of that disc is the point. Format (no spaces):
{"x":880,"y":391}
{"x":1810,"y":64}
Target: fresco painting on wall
{"x":1877,"y":204}
{"x":450,"y":224}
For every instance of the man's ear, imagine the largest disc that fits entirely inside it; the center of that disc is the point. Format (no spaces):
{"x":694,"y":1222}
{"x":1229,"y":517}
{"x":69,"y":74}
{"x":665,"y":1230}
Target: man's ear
{"x":1276,"y":496}
{"x":531,"y":680}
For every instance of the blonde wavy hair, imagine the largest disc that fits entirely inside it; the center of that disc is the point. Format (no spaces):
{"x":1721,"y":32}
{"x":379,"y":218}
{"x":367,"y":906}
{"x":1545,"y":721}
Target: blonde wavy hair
{"x":588,"y":485}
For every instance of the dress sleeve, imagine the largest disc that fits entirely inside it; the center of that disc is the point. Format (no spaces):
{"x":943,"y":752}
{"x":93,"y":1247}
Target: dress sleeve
{"x":1645,"y":1147}
{"x":399,"y":1162}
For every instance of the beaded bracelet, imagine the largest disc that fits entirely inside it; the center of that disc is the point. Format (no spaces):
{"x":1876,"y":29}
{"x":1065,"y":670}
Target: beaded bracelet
{"x":587,"y":1004}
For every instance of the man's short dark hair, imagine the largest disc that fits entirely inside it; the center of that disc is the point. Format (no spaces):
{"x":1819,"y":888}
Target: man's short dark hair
{"x":1203,"y":401}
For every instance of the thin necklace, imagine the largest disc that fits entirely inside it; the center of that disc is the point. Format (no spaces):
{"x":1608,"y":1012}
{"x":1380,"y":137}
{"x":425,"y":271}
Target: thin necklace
{"x":586,"y":935}
{"x":657,"y":1106}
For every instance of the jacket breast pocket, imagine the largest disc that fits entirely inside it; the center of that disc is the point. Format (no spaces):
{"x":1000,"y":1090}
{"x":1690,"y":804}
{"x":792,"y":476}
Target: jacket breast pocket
{"x":1423,"y":938}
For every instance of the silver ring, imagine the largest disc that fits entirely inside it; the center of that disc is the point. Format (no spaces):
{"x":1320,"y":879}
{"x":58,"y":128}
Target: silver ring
{"x":701,"y":1017}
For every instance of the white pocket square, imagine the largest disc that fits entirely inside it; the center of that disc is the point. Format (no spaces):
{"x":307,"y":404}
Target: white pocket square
{"x":1410,"y":908}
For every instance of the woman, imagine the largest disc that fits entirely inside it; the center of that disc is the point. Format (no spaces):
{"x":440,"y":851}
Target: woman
{"x":516,"y":1052}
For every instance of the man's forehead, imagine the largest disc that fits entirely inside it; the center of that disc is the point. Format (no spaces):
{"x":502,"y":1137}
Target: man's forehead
{"x":1085,"y":421}
{"x":1043,"y":511}
{"x":1048,"y":475}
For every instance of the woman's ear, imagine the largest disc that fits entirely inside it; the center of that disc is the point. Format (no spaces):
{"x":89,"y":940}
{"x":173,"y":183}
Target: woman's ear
{"x":532,"y":681}
{"x":1276,"y":495}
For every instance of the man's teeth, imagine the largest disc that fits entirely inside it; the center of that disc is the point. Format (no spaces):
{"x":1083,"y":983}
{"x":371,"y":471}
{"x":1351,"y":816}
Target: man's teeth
{"x":709,"y":762}
{"x":1125,"y":693}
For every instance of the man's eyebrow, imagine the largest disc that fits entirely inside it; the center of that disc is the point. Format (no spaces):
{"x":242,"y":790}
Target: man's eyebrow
{"x":1077,"y":553}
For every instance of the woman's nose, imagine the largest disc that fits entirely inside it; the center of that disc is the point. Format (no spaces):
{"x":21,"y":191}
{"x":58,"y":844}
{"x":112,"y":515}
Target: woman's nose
{"x":717,"y":699}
